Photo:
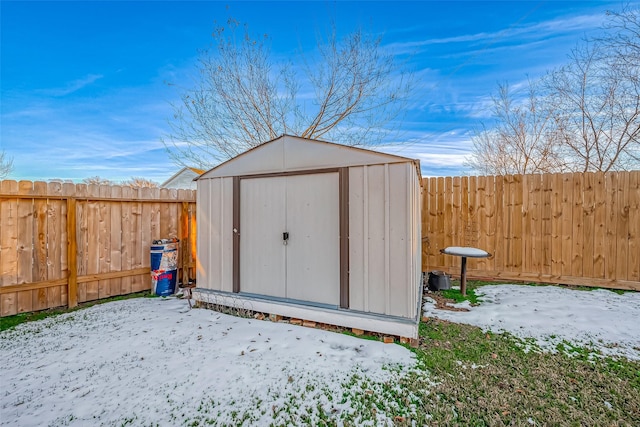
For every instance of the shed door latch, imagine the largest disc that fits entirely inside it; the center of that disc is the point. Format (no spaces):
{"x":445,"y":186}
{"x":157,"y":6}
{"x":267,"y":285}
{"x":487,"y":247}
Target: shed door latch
{"x":285,"y":237}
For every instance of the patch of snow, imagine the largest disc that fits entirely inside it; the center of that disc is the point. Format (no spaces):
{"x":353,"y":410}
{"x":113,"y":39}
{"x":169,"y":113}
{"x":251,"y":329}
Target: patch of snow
{"x":154,"y":361}
{"x":601,"y":319}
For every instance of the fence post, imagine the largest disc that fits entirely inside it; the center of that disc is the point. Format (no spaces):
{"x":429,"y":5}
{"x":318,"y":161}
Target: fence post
{"x":72,"y":261}
{"x":184,"y":242}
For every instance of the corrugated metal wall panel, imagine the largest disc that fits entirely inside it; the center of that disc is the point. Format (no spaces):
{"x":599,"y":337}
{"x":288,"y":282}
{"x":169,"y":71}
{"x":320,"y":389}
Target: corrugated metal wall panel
{"x":384,"y":239}
{"x":225,"y":262}
{"x":375,"y":217}
{"x":215,"y":224}
{"x":358,"y":235}
{"x":399,"y":236}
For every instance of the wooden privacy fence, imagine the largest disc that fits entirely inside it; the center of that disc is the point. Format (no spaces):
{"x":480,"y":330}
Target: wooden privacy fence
{"x":64,"y":243}
{"x":574,"y":228}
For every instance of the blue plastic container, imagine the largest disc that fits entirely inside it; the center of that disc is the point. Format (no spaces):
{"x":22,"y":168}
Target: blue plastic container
{"x":164,"y":266}
{"x":164,"y":283}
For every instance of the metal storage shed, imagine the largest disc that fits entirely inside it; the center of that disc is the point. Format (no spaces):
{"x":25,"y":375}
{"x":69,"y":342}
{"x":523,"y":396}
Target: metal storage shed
{"x":316,"y":231}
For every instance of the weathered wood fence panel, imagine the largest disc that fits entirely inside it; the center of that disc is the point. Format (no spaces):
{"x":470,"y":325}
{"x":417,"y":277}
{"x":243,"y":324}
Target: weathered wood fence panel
{"x":63,"y":244}
{"x":575,"y":228}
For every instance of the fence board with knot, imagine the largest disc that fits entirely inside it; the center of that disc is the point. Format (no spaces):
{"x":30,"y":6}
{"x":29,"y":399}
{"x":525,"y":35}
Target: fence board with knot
{"x":573,"y":228}
{"x":62,"y":243}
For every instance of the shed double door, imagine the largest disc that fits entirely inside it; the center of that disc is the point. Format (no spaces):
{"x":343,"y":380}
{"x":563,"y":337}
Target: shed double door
{"x":290,"y":237}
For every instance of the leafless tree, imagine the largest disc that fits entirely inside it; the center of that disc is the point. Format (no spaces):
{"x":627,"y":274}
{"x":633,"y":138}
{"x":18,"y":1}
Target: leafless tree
{"x":596,"y":100}
{"x":138,"y":182}
{"x":523,"y":139}
{"x":584,"y":116}
{"x":349,"y":92}
{"x":6,"y":165}
{"x":622,"y":36}
{"x":96,"y":180}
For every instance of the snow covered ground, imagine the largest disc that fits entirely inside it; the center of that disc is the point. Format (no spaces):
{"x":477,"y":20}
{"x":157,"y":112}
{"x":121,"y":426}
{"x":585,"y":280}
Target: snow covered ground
{"x":601,"y":319}
{"x":150,"y":360}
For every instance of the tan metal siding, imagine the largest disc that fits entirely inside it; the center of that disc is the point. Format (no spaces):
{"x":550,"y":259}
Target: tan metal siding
{"x":375,"y":217}
{"x":214,"y":234}
{"x":399,"y":237}
{"x":313,"y":249}
{"x":384,"y":239}
{"x":262,"y":222}
{"x":225,"y":261}
{"x":358,"y":235}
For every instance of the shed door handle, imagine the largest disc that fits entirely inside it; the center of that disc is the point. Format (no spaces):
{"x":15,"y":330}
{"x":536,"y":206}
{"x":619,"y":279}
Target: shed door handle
{"x":285,"y":237}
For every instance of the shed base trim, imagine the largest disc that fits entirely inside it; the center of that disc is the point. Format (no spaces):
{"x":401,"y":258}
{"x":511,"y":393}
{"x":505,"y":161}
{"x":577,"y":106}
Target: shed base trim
{"x":339,"y":317}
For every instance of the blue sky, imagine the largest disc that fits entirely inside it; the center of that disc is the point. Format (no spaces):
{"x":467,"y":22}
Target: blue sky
{"x":84,"y":84}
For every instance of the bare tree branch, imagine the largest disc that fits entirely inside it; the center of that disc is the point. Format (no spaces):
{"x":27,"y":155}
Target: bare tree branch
{"x":523,"y":139}
{"x":584,"y":116}
{"x":6,"y":165}
{"x":242,"y":98}
{"x":139,"y":182}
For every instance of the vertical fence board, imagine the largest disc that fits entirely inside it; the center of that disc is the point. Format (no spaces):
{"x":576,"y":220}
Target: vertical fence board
{"x":149,"y":226}
{"x":40,"y":257}
{"x":82,"y":240}
{"x":93,"y":243}
{"x":104,"y":244}
{"x":567,"y":223}
{"x":588,"y":209}
{"x":499,"y":263}
{"x":506,"y":223}
{"x":634,"y":226}
{"x":138,"y":283}
{"x":528,"y":212}
{"x":441,"y":237}
{"x":447,"y":219}
{"x":622,"y":250}
{"x":127,"y":243}
{"x":483,"y":221}
{"x":456,"y":219}
{"x":517,"y":223}
{"x":535,"y":213}
{"x":183,"y":249}
{"x":174,"y":214}
{"x":8,"y":247}
{"x":557,"y":220}
{"x":164,"y":215}
{"x":193,"y":225}
{"x":577,"y":248}
{"x":115,"y":241}
{"x":72,"y":253}
{"x":464,"y":228}
{"x":611,"y":215}
{"x":599,"y":214}
{"x":25,"y":245}
{"x":56,"y":222}
{"x":546,"y":230}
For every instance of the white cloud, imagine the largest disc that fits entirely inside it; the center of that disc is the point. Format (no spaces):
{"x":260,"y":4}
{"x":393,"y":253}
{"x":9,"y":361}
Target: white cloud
{"x":539,"y":31}
{"x":73,"y":86}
